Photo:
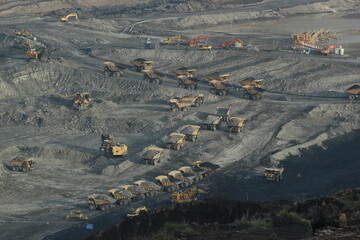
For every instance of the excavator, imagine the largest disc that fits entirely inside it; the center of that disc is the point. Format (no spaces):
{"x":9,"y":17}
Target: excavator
{"x":138,"y":211}
{"x":198,"y":38}
{"x":200,"y":43}
{"x":172,"y":40}
{"x":66,"y":18}
{"x":24,"y":33}
{"x":188,"y":196}
{"x":328,"y":49}
{"x":233,"y":42}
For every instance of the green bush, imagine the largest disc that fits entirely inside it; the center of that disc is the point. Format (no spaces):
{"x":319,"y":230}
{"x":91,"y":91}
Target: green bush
{"x":294,"y":216}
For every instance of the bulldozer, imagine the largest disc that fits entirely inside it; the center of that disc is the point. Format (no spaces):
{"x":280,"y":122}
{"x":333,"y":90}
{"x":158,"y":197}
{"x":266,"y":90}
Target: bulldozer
{"x":354,"y":92}
{"x":101,"y":201}
{"x":81,"y":100}
{"x":252,"y":82}
{"x":205,"y":168}
{"x":190,"y":195}
{"x":141,"y":65}
{"x":224,"y":112}
{"x":152,"y":155}
{"x":110,"y":147}
{"x":191,"y":132}
{"x":212,"y":123}
{"x":76,"y":215}
{"x":23,"y":165}
{"x":152,"y":77}
{"x":176,"y":105}
{"x":24,"y":33}
{"x":236,"y":124}
{"x":274,"y":174}
{"x":188,"y":172}
{"x":151,"y":188}
{"x":175,"y":141}
{"x":187,"y":83}
{"x":165,"y":182}
{"x":110,"y":69}
{"x":138,"y":211}
{"x":218,"y":79}
{"x":66,"y":18}
{"x":251,"y":92}
{"x":203,"y":46}
{"x":122,"y":197}
{"x":219,"y":89}
{"x":174,"y":40}
{"x":184,"y":72}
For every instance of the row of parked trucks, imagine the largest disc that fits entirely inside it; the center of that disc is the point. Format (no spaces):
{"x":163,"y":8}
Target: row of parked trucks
{"x":141,"y":189}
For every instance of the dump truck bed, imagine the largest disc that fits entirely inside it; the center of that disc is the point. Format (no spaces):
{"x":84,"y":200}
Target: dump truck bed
{"x":150,"y":154}
{"x":223,"y":110}
{"x":355,"y":89}
{"x":174,"y":138}
{"x":190,"y":129}
{"x":151,"y":185}
{"x":152,"y":75}
{"x":209,"y":165}
{"x":235,"y":121}
{"x":211,"y":118}
{"x":255,"y":90}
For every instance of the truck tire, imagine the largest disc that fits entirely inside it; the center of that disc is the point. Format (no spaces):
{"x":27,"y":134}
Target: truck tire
{"x":177,"y":147}
{"x":107,"y":73}
{"x":156,"y":81}
{"x":185,"y":109}
{"x":103,"y":207}
{"x":197,"y":104}
{"x":117,"y":74}
{"x":24,"y":168}
{"x":222,"y":93}
{"x":183,"y":185}
{"x":92,"y":206}
{"x":238,"y":129}
{"x":15,"y":168}
{"x":174,"y":108}
{"x":193,"y":138}
{"x":229,"y":128}
{"x":351,"y":97}
{"x":213,"y":90}
{"x":191,"y":87}
{"x":122,"y":202}
{"x":147,"y":194}
{"x":168,"y":189}
{"x":213,"y":127}
{"x":181,"y":85}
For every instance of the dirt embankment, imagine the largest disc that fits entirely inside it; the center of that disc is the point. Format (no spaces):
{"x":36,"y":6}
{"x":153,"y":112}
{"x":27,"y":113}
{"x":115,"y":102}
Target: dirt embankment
{"x":215,"y":218}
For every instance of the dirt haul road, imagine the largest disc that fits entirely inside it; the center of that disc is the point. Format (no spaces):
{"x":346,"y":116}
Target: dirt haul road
{"x":305,"y":103}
